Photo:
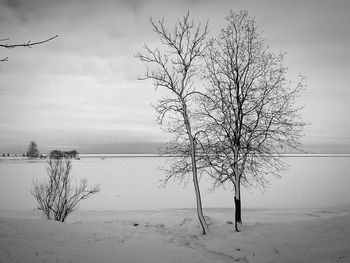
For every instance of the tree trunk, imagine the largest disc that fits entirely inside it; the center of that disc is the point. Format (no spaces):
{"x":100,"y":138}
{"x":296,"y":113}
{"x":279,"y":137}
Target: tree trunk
{"x":237,"y":212}
{"x":201,"y":218}
{"x":238,"y":207}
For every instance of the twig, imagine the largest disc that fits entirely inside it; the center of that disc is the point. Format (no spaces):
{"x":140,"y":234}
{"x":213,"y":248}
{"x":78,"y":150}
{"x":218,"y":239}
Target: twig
{"x":28,"y":44}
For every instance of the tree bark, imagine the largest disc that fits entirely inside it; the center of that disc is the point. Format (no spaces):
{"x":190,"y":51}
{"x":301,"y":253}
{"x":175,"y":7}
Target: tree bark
{"x":238,"y":218}
{"x":238,"y":213}
{"x":238,"y":207}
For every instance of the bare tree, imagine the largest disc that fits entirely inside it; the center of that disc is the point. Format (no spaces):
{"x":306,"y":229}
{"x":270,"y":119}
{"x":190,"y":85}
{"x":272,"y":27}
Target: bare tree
{"x":176,"y":67}
{"x":249,"y":110}
{"x":32,"y":150}
{"x":57,"y":197}
{"x":27,"y":44}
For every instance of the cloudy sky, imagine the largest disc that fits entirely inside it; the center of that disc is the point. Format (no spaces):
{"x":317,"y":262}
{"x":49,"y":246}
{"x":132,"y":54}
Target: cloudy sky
{"x":81,"y":90}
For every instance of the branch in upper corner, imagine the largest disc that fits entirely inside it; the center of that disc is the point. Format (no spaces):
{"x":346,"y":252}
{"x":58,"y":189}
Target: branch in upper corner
{"x":28,"y":44}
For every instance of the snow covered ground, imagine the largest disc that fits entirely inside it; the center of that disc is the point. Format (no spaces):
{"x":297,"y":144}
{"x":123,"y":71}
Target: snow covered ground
{"x":290,"y":235}
{"x":106,"y":229}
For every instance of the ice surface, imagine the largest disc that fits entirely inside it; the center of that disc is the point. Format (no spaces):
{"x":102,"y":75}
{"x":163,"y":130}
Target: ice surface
{"x":130,"y":183}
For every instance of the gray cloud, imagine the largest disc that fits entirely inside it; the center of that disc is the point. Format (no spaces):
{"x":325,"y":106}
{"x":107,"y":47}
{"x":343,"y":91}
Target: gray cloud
{"x":88,"y":76}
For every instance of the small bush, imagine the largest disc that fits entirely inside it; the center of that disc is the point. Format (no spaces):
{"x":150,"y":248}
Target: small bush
{"x":57,"y":197}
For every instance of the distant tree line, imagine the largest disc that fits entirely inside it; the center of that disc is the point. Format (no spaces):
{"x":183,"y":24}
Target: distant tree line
{"x":33,"y":152}
{"x":13,"y":154}
{"x":56,"y":154}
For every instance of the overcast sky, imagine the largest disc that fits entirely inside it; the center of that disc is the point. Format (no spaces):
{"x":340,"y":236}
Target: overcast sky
{"x":81,"y":90}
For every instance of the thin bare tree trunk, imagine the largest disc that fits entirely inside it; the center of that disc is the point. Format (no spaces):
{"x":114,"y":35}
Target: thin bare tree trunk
{"x":197,"y":191}
{"x":201,"y":218}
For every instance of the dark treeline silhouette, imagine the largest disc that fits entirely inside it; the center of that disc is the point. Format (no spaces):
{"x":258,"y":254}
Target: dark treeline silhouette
{"x":32,"y":151}
{"x":56,"y":154}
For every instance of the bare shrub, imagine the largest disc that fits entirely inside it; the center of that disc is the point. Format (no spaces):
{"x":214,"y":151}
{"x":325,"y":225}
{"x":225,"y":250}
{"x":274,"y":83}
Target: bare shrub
{"x":57,"y":197}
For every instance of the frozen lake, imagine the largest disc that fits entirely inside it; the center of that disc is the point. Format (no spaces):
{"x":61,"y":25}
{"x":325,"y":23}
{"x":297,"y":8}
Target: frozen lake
{"x":133,"y":183}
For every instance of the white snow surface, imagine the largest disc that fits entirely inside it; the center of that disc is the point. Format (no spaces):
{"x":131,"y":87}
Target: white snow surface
{"x":174,"y":235}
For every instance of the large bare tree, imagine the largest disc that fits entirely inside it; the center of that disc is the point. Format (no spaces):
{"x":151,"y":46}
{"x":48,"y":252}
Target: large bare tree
{"x":175,"y":68}
{"x":249,"y":109}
